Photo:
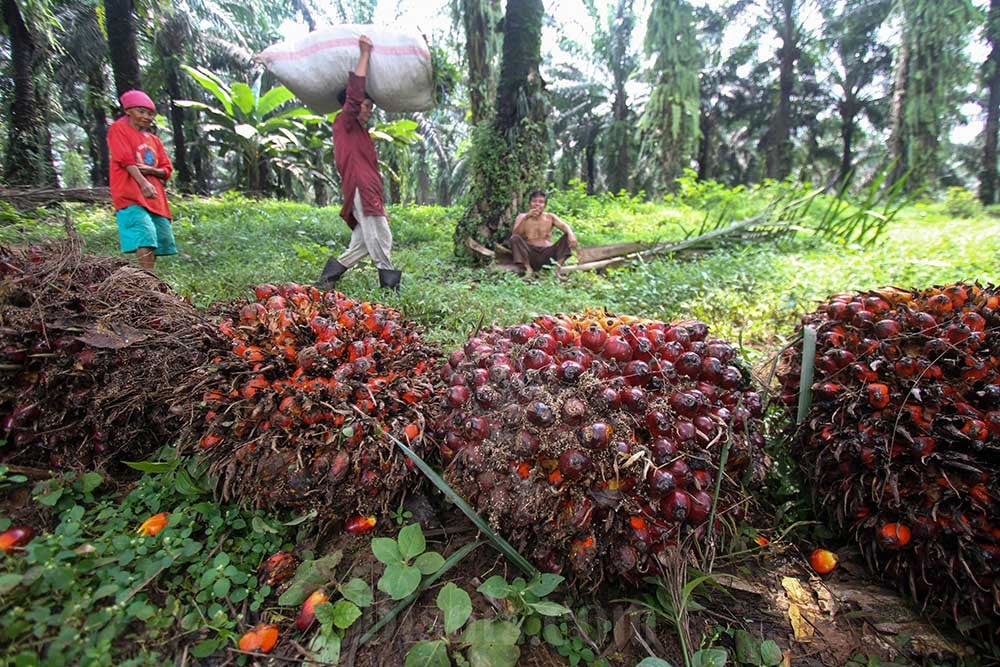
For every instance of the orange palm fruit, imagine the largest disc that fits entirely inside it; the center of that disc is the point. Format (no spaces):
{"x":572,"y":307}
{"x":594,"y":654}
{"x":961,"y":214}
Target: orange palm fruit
{"x":823,"y":561}
{"x":153,"y":524}
{"x":261,"y":638}
{"x":893,"y":535}
{"x":359,"y":524}
{"x":307,"y":614}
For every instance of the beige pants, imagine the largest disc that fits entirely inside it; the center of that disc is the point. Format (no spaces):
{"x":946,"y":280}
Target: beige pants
{"x":371,"y":236}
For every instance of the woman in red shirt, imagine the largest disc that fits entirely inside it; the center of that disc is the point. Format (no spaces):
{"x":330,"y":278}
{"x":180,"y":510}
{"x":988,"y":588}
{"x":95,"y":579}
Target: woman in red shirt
{"x":139,"y":169}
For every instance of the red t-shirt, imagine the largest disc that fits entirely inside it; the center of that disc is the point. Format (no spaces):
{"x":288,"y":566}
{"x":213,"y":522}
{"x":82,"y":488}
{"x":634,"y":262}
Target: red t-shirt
{"x":129,"y":146}
{"x":354,"y":153}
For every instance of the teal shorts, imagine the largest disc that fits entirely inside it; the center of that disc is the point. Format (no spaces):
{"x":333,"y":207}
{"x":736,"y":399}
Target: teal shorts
{"x":138,"y":228}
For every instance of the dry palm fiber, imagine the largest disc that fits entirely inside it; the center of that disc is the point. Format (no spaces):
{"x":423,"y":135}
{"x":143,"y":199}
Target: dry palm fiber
{"x":294,"y":415}
{"x":92,"y":351}
{"x":902,"y":441}
{"x":593,"y":441}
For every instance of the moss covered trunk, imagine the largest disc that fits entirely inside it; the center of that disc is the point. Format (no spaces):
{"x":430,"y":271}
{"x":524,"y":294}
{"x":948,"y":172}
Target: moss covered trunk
{"x":509,"y":152}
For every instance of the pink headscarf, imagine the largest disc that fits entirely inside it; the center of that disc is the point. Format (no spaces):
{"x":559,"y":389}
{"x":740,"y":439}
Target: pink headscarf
{"x":136,"y":98}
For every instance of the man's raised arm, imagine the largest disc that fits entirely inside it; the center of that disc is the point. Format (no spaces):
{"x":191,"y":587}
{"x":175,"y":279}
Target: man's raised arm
{"x":565,"y":229}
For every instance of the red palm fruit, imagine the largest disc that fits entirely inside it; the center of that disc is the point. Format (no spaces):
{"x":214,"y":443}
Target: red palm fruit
{"x":660,"y":481}
{"x":458,"y":395}
{"x":570,"y":371}
{"x":595,"y":436}
{"x":685,"y":403}
{"x":659,"y":423}
{"x":579,"y":355}
{"x":633,"y":399}
{"x":608,"y":399}
{"x":573,"y":464}
{"x":617,"y":349}
{"x":675,"y":506}
{"x":562,"y":335}
{"x":307,"y":614}
{"x":522,"y":333}
{"x":893,"y":535}
{"x":277,"y":568}
{"x":573,"y":411}
{"x":701,"y":507}
{"x":539,"y":414}
{"x":359,"y":524}
{"x":15,"y":537}
{"x":636,"y":373}
{"x":536,"y":359}
{"x":878,"y":395}
{"x":823,"y":561}
{"x":593,"y":338}
{"x":260,"y":638}
{"x":663,"y":449}
{"x":544,"y":342}
{"x":688,"y":365}
{"x":886,"y":329}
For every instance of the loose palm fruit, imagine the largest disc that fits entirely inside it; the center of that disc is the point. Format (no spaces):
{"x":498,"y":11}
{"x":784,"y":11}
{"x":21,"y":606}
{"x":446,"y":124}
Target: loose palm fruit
{"x":591,"y":441}
{"x":278,"y":568}
{"x":902,"y":456}
{"x":823,"y":561}
{"x":15,"y":537}
{"x":154,"y":524}
{"x":307,"y":614}
{"x":260,"y":638}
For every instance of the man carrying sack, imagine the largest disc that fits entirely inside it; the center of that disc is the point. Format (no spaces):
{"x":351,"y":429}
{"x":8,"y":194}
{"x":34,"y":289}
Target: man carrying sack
{"x":357,"y":162}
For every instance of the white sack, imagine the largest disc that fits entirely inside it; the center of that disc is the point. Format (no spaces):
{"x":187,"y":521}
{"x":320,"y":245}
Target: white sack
{"x":315,"y":67}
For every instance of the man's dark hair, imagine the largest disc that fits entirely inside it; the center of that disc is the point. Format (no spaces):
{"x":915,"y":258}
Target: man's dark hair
{"x":342,"y":96}
{"x":538,"y":193}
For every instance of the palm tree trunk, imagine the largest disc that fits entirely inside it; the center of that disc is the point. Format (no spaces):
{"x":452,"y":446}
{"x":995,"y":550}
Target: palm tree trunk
{"x":122,"y":45}
{"x":778,"y":158}
{"x":988,"y":175}
{"x":29,"y":145}
{"x":179,"y":158}
{"x":848,"y":110}
{"x":97,"y":133}
{"x":479,"y":18}
{"x":618,"y":177}
{"x":898,"y":140}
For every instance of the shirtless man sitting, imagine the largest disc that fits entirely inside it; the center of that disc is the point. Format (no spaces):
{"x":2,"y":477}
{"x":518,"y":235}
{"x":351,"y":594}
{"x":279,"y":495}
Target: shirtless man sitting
{"x":531,"y":239}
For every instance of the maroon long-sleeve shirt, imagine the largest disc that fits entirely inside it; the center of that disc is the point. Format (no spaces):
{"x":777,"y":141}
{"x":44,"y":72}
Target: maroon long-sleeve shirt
{"x":354,"y":153}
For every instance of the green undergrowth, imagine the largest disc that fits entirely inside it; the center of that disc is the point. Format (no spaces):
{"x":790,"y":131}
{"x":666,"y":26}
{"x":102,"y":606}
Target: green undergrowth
{"x":750,"y":293}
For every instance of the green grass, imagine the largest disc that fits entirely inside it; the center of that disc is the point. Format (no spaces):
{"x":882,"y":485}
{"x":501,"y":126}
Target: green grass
{"x":752,"y":294}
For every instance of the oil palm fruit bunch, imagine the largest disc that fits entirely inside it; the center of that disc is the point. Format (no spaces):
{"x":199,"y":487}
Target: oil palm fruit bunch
{"x":92,"y":351}
{"x":593,"y":441}
{"x":295,"y":414}
{"x":902,"y":440}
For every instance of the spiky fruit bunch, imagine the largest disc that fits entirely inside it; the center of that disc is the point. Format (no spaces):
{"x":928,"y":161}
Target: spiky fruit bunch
{"x":296,"y":414}
{"x":902,"y":441}
{"x":593,"y":441}
{"x":91,"y":354}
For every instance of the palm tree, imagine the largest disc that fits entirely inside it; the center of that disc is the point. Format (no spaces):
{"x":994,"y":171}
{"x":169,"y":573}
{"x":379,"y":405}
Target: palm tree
{"x":510,"y":153}
{"x":123,"y":45}
{"x":29,"y":143}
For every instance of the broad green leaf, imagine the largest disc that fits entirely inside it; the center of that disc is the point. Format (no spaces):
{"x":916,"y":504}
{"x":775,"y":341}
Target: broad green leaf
{"x":399,"y":580}
{"x":245,"y":131}
{"x":709,"y":657}
{"x":221,"y":587}
{"x":654,"y":662}
{"x":545,"y":584}
{"x":411,"y":541}
{"x":212,"y":84}
{"x":312,"y":514}
{"x":770,"y":653}
{"x":358,"y":591}
{"x":273,"y":99}
{"x":205,"y":648}
{"x":428,"y":654}
{"x":185,"y":485}
{"x":532,"y":625}
{"x":345,"y":613}
{"x":429,"y":562}
{"x":310,"y":575}
{"x":553,"y":635}
{"x":151,"y":466}
{"x":9,"y":582}
{"x":386,"y":550}
{"x":90,"y":481}
{"x":495,"y":587}
{"x":51,"y":498}
{"x":261,"y":526}
{"x":324,"y":614}
{"x":747,"y":650}
{"x":546,"y":608}
{"x":243,"y":97}
{"x":492,"y":643}
{"x":456,"y":605}
{"x":325,"y":647}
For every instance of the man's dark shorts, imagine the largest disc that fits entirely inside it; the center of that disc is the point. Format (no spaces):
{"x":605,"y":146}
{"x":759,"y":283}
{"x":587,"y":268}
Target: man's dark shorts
{"x":537,"y":257}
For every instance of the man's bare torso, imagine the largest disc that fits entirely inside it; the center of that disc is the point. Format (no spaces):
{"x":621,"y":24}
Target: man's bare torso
{"x":537,"y":229}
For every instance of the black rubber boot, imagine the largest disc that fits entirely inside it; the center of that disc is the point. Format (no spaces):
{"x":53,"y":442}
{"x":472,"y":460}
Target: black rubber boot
{"x":389,"y":279}
{"x":331,"y":274}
